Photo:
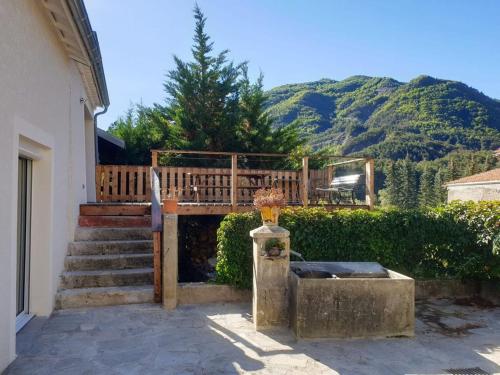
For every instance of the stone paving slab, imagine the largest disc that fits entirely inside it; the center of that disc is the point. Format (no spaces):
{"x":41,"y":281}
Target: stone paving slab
{"x":219,"y":339}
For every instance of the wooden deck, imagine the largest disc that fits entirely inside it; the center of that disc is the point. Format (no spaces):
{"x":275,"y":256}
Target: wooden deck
{"x":219,"y":191}
{"x":224,"y":208}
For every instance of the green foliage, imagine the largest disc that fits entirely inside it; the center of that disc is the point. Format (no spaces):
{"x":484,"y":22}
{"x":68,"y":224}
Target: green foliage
{"x":443,"y":127}
{"x":203,"y":94}
{"x":211,"y":106}
{"x":452,"y":241}
{"x":430,"y":193}
{"x":400,"y":185}
{"x":274,"y":243}
{"x":142,"y":129}
{"x":440,"y":192}
{"x":427,"y":196}
{"x":424,"y":119}
{"x":234,"y":249}
{"x":496,"y":245}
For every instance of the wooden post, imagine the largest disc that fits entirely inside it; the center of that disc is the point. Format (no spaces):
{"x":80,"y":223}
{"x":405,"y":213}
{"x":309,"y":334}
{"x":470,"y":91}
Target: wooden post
{"x":370,"y":182}
{"x":305,"y":181}
{"x":154,"y":158}
{"x":330,"y":171}
{"x":98,"y":183}
{"x":234,"y":181}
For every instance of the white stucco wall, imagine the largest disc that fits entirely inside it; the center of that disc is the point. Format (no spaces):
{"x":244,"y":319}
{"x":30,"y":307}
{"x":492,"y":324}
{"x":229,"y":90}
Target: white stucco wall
{"x":40,"y":113}
{"x":485,"y":192}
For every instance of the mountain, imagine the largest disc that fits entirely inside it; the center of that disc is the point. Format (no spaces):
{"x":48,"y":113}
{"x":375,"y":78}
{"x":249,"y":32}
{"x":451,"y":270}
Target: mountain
{"x":425,"y":119}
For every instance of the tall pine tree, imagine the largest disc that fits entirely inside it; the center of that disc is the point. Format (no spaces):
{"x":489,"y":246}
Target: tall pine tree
{"x":453,"y":170}
{"x":391,"y":191}
{"x":408,"y":185}
{"x":489,"y":162}
{"x":256,"y":132}
{"x":204,"y":94}
{"x":472,"y":167}
{"x":427,"y":197}
{"x":215,"y":106}
{"x":440,"y":191}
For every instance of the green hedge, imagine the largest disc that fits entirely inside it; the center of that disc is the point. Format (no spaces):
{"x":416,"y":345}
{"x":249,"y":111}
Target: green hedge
{"x":451,"y":241}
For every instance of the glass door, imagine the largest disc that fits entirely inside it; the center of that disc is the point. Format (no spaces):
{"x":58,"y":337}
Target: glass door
{"x":23,"y":242}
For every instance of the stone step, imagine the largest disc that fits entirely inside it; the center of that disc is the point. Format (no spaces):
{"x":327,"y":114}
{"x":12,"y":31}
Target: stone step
{"x":115,"y":209}
{"x":104,"y":296}
{"x":112,"y":234}
{"x":93,"y":279}
{"x":110,"y":247}
{"x":107,"y":262}
{"x":114,"y":221}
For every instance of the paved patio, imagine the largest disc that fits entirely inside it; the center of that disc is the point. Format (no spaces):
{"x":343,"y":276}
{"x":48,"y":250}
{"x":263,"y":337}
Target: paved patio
{"x":219,"y":339}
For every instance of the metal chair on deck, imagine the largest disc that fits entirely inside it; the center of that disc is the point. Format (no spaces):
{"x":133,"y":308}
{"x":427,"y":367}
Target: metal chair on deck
{"x":341,"y":188}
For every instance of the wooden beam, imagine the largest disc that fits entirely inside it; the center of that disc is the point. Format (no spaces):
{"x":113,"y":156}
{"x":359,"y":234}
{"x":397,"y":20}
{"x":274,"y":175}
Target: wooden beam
{"x":210,"y":209}
{"x":98,"y":183}
{"x":346,"y":162}
{"x":370,"y":183}
{"x":189,"y":152}
{"x":330,"y":172}
{"x":157,"y":266}
{"x":154,"y":158}
{"x":305,"y":181}
{"x":234,"y":181}
{"x":186,"y":209}
{"x":113,"y":209}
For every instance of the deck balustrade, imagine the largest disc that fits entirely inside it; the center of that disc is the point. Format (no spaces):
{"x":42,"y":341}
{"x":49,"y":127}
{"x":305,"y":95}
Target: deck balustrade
{"x":234,"y":186}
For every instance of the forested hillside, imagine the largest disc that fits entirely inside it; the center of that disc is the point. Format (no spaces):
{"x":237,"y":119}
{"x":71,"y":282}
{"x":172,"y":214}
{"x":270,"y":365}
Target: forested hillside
{"x":421,"y":133}
{"x":424,"y":119}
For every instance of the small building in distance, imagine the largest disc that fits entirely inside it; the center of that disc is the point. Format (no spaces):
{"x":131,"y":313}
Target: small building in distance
{"x":483,"y":186}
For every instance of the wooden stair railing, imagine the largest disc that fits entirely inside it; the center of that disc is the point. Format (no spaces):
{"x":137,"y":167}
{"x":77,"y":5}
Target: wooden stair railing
{"x":157,"y":228}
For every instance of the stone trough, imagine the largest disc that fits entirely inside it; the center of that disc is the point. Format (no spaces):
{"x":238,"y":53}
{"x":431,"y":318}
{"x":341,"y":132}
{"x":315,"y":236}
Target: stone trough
{"x":328,"y":299}
{"x":363,"y":300}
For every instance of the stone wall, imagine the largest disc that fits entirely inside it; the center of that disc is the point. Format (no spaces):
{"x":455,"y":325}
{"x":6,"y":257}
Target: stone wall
{"x":197,"y":247}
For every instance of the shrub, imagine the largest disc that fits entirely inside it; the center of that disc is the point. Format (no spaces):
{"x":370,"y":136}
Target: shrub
{"x":452,"y":241}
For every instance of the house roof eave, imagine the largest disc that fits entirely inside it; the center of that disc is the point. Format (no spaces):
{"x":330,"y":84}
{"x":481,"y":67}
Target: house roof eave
{"x":111,"y":138}
{"x":71,"y":21}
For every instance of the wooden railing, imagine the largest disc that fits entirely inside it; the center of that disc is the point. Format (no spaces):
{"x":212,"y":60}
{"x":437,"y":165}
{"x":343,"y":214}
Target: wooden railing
{"x":123,"y":183}
{"x":132,"y":183}
{"x":117,"y":183}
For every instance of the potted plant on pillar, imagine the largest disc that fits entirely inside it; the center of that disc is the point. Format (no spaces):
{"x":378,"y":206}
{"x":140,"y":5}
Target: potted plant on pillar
{"x":170,"y":203}
{"x":269,"y":202}
{"x":274,"y":248}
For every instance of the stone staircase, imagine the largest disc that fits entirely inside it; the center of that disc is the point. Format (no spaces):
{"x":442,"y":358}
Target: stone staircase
{"x":110,"y":262}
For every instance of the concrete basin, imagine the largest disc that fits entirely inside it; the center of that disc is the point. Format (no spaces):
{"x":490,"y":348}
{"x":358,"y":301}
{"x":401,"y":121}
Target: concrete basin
{"x":365,"y":300}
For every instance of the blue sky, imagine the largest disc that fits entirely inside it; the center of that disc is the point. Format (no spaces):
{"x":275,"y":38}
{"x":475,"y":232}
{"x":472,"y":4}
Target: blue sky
{"x":299,"y":40}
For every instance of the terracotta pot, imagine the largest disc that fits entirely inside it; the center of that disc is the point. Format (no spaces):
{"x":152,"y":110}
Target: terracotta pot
{"x":270,"y":215}
{"x":170,"y":206}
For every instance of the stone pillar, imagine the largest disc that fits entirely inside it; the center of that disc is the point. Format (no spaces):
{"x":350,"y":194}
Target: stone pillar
{"x":170,"y":262}
{"x":270,"y":278}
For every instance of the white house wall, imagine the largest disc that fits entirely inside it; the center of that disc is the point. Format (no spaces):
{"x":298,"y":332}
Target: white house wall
{"x":486,"y":192}
{"x":42,"y":114}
